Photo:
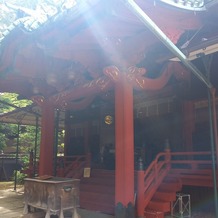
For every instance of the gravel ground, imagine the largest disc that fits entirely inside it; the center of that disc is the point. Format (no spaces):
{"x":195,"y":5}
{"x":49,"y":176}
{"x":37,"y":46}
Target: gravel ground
{"x":11,"y":205}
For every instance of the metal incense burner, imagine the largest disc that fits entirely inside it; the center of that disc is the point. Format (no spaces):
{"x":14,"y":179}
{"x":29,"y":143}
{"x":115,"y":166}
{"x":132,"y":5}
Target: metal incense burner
{"x":54,"y":195}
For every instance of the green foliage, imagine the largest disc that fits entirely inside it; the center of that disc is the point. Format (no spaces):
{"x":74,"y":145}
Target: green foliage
{"x":2,"y":141}
{"x":25,"y":160}
{"x":27,"y":139}
{"x":11,"y":99}
{"x":10,"y":12}
{"x":10,"y":131}
{"x":20,"y":177}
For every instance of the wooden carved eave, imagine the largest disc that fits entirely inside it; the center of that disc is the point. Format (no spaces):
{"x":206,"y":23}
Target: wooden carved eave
{"x":107,"y":35}
{"x":86,"y":90}
{"x":138,"y":79}
{"x":79,"y":105}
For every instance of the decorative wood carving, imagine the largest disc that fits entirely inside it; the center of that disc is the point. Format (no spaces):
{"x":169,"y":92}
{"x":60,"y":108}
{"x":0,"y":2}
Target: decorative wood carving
{"x":137,"y":76}
{"x":82,"y":104}
{"x":83,"y":91}
{"x":79,"y":96}
{"x":38,"y":99}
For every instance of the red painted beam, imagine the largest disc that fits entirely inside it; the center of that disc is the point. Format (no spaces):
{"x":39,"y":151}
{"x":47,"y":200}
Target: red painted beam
{"x":88,"y":89}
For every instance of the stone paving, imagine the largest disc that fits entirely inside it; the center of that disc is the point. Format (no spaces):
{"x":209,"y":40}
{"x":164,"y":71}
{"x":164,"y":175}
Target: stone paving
{"x":11,"y":206}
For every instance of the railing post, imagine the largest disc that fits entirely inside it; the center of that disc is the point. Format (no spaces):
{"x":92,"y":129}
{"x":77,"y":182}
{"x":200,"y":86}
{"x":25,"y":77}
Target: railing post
{"x":140,"y":194}
{"x":168,"y":156}
{"x":155,"y":171}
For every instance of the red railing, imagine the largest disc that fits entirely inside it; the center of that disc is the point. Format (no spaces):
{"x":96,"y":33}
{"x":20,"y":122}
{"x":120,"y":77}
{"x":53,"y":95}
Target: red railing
{"x":192,"y":168}
{"x":31,"y":169}
{"x":150,"y":179}
{"x":191,"y":160}
{"x":67,"y":166}
{"x":180,"y":164}
{"x":72,"y":166}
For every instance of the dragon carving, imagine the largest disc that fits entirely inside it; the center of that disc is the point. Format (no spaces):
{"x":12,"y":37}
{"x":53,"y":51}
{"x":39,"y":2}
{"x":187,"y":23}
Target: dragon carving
{"x":137,"y":76}
{"x":81,"y":96}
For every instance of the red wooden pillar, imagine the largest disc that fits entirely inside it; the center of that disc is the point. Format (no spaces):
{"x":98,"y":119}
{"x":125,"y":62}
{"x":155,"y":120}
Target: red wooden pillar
{"x":124,"y":180}
{"x":47,"y":139}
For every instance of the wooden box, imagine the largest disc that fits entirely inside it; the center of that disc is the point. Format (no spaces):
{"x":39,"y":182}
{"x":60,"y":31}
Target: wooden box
{"x":54,"y":195}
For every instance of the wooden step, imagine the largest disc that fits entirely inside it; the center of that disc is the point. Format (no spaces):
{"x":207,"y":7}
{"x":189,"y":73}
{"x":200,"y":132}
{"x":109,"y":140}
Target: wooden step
{"x":194,"y":179}
{"x":197,"y":182}
{"x":102,"y":202}
{"x":170,"y":186}
{"x":98,"y":188}
{"x":100,"y":181}
{"x":96,"y":197}
{"x":164,"y":196}
{"x":97,"y":193}
{"x":192,"y":171}
{"x":171,"y":178}
{"x":98,"y":206}
{"x":194,"y":176}
{"x":162,"y":206}
{"x":102,"y":173}
{"x":199,"y":177}
{"x":153,"y":214}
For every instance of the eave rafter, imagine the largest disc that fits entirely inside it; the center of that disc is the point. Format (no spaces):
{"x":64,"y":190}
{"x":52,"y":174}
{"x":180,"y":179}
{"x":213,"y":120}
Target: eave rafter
{"x":107,"y":35}
{"x":85,"y":91}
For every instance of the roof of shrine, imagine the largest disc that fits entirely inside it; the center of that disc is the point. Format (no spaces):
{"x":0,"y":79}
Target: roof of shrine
{"x":69,"y":47}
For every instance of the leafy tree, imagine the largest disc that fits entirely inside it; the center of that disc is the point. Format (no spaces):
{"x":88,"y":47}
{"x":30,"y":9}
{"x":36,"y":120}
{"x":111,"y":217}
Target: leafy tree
{"x":10,"y":10}
{"x":27,"y":139}
{"x":8,"y":102}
